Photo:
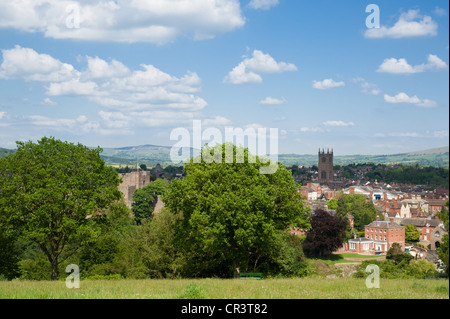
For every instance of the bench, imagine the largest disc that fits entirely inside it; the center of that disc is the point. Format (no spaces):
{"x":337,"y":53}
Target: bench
{"x":250,"y":276}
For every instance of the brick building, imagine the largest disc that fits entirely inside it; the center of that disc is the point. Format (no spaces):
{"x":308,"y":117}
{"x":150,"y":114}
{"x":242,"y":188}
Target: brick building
{"x":378,"y":238}
{"x":424,"y":225}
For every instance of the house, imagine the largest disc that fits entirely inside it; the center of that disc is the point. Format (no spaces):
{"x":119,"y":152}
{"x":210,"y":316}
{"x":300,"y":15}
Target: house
{"x":435,"y":205}
{"x":424,"y":225}
{"x":378,"y":238}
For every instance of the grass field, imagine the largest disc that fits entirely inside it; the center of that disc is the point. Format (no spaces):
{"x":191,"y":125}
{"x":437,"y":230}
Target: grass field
{"x":301,"y":288}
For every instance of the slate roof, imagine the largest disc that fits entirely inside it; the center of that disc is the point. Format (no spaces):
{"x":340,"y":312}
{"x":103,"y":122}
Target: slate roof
{"x":420,"y":222}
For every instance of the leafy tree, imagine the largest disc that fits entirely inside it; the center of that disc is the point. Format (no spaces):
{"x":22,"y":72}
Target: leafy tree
{"x":411,"y":233}
{"x":341,"y":209}
{"x":326,"y":235}
{"x":333,"y":204}
{"x":145,"y":198}
{"x":161,"y":257}
{"x":443,"y":250}
{"x":396,"y":254}
{"x":231,"y":212}
{"x":52,"y":192}
{"x":9,"y":256}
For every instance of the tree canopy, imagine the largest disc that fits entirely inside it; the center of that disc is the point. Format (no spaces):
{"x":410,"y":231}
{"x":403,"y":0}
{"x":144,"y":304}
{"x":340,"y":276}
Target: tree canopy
{"x":145,"y":198}
{"x":51,"y":192}
{"x":231,"y":212}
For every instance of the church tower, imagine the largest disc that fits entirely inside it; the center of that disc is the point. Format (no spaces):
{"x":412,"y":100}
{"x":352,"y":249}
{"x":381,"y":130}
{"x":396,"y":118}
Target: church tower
{"x":326,"y":172}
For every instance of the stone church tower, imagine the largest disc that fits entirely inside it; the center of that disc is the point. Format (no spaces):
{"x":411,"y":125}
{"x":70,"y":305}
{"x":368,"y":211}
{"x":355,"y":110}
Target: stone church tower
{"x":326,"y":172}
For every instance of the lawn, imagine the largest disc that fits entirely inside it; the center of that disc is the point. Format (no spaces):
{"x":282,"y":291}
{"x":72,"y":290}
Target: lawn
{"x":298,"y":288}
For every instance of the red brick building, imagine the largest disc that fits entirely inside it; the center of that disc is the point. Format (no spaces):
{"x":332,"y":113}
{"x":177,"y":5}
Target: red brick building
{"x":378,"y":238}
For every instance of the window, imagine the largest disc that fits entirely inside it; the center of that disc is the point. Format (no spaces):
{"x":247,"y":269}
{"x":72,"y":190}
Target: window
{"x":352,"y":246}
{"x":425,"y":237}
{"x":384,"y":238}
{"x":428,"y":230}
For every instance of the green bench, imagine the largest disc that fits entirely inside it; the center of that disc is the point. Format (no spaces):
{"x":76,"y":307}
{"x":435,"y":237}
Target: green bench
{"x":250,"y":276}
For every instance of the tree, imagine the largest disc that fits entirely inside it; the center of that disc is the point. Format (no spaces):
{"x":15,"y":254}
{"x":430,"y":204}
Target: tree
{"x":326,"y":235}
{"x":52,"y":192}
{"x":396,"y":254}
{"x":411,"y":233}
{"x":145,"y":198}
{"x":231,"y":212}
{"x":443,"y":250}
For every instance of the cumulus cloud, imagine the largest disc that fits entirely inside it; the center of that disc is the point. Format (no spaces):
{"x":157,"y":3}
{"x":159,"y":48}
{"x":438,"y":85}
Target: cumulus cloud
{"x":27,"y":64}
{"x":151,"y":96}
{"x":404,"y":98}
{"x":250,"y":70}
{"x":401,"y":66}
{"x":156,"y":21}
{"x":263,"y":4}
{"x":409,"y":24}
{"x":327,"y":84}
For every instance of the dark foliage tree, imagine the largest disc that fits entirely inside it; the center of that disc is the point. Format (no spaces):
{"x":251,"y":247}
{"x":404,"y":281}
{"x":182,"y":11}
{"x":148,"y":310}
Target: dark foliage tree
{"x":326,"y":235}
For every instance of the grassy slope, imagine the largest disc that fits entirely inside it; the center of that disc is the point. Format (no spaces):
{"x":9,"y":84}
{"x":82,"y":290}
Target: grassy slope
{"x":302,"y":288}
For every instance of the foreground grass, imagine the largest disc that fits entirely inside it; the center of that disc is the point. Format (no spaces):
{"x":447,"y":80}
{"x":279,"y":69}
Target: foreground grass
{"x":301,"y":288}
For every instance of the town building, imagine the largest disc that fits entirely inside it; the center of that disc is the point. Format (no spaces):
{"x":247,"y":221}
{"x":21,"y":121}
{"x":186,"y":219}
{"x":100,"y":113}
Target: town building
{"x":325,"y":165}
{"x":378,"y":238}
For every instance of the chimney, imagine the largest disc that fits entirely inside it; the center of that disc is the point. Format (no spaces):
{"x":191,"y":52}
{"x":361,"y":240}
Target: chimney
{"x":378,"y":218}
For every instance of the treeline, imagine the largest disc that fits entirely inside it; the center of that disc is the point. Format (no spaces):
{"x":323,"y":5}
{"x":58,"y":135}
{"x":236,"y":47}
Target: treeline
{"x":414,"y":174}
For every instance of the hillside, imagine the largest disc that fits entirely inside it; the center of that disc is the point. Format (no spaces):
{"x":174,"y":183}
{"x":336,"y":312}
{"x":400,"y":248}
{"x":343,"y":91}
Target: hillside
{"x":154,"y":154}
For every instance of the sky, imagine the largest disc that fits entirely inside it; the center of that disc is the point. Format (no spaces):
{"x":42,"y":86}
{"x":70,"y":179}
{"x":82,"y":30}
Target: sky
{"x":325,"y":74}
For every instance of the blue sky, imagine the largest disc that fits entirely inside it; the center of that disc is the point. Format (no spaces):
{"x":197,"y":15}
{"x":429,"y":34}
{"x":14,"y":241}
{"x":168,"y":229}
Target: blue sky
{"x":122,"y":73}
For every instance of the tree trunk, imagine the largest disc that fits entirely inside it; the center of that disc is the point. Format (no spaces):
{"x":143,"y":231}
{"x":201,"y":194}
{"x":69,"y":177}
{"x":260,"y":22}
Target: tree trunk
{"x":54,"y":269}
{"x":236,"y":269}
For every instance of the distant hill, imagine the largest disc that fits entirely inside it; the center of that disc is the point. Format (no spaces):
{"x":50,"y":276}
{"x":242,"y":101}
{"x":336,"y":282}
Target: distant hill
{"x":154,"y":154}
{"x":5,"y":151}
{"x":440,"y":150}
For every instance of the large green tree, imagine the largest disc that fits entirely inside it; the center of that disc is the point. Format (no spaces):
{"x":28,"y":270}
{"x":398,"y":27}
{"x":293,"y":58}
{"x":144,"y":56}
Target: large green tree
{"x":231,"y":212}
{"x":52,"y":191}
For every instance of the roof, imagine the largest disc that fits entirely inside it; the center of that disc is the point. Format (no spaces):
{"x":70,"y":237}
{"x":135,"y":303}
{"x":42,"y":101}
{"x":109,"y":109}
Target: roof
{"x":384,"y":224}
{"x":360,"y":240}
{"x":420,"y":222}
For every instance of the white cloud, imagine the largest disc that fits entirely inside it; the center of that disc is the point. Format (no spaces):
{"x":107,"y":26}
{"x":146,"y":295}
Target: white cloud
{"x":338,"y":123}
{"x":99,"y":69}
{"x":27,"y":64}
{"x":311,"y":129}
{"x":78,"y":125}
{"x":72,"y":87}
{"x":410,"y":24}
{"x":217,"y":121}
{"x":48,"y":101}
{"x":263,"y":4}
{"x":439,"y":11}
{"x":366,"y":87}
{"x":156,"y":21}
{"x":2,"y":114}
{"x":250,"y":70}
{"x":114,"y":119}
{"x":404,"y":98}
{"x":273,"y":101}
{"x":327,"y":84}
{"x":401,"y":66}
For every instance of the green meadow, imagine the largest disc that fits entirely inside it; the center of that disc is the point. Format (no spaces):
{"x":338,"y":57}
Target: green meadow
{"x":298,"y":288}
